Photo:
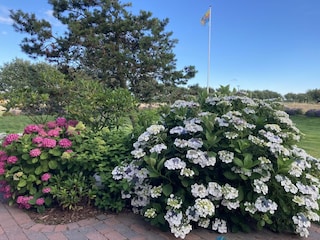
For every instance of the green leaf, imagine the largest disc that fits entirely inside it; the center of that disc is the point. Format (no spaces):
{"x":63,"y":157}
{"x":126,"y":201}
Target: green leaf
{"x":25,"y":156}
{"x":247,"y":162}
{"x":167,"y":189}
{"x":53,"y":164}
{"x":44,"y":155}
{"x":22,"y":183}
{"x":38,"y":170}
{"x":230,"y":175}
{"x":238,"y":162}
{"x":55,"y":152}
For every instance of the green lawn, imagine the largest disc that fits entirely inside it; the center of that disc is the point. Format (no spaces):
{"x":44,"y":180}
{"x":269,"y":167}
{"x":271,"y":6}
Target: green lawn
{"x":310,"y":127}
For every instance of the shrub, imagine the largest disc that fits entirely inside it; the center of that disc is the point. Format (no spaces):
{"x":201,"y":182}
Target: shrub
{"x":293,"y":111}
{"x":229,"y":164}
{"x":57,"y":163}
{"x":98,"y":154}
{"x":28,"y":161}
{"x":313,"y":113}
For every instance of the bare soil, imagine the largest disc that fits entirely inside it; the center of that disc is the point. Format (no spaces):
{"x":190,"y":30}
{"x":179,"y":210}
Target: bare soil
{"x":55,"y":216}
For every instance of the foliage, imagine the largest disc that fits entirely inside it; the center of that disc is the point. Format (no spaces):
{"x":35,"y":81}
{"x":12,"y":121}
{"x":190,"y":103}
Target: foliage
{"x":74,"y":190}
{"x":28,"y":161}
{"x":98,"y":107}
{"x":36,"y":89}
{"x":314,"y":95}
{"x":224,"y":164}
{"x":109,"y":149}
{"x":64,"y":163}
{"x":108,"y":42}
{"x":265,"y":94}
{"x":293,"y":111}
{"x":313,"y":113}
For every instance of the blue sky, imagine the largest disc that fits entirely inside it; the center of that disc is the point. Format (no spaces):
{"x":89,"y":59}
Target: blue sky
{"x":255,"y":44}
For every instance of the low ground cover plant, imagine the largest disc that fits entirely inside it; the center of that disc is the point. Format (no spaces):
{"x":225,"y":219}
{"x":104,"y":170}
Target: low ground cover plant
{"x":224,"y":163}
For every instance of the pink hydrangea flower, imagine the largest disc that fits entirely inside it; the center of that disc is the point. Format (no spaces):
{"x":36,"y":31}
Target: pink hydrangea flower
{"x":10,"y":138}
{"x":12,"y":159}
{"x":72,"y":123}
{"x":37,"y":140}
{"x":51,"y":125}
{"x":35,"y":152}
{"x":3,"y":156}
{"x":2,"y":170}
{"x":45,"y":177}
{"x":42,"y":133}
{"x":54,"y":132}
{"x":61,"y":122}
{"x":49,"y":143}
{"x":23,"y":201}
{"x":40,"y":201}
{"x":65,"y":143}
{"x":31,"y":129}
{"x":46,"y":190}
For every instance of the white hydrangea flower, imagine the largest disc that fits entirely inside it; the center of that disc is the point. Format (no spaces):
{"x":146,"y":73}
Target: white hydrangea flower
{"x":195,"y":143}
{"x":174,"y":218}
{"x":204,"y":222}
{"x":192,"y":214}
{"x":226,"y":156}
{"x":181,"y":143}
{"x":181,"y":231}
{"x":158,"y":148}
{"x":260,"y":187}
{"x":230,"y":204}
{"x":263,"y":204}
{"x":229,"y":192}
{"x":174,"y":163}
{"x":178,"y":130}
{"x":156,"y":192}
{"x":231,"y":135}
{"x":174,"y":201}
{"x":155,"y":129}
{"x":187,"y":172}
{"x":204,"y":207}
{"x":193,"y":127}
{"x":215,"y":190}
{"x":184,"y":104}
{"x":150,"y":213}
{"x":219,"y":225}
{"x":144,"y":137}
{"x":250,"y":207}
{"x":199,"y":190}
{"x":138,"y":153}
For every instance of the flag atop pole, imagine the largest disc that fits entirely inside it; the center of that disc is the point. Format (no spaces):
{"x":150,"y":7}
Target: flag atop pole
{"x":207,"y":18}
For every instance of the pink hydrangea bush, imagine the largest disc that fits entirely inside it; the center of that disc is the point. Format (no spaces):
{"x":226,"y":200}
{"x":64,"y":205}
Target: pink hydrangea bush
{"x":29,"y":160}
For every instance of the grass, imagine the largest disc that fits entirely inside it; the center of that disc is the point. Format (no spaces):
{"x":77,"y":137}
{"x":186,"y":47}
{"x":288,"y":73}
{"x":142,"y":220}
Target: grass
{"x":16,"y":124}
{"x":310,"y":127}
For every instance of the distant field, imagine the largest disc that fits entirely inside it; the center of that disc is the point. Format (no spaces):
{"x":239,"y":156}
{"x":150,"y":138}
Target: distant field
{"x":304,"y":106}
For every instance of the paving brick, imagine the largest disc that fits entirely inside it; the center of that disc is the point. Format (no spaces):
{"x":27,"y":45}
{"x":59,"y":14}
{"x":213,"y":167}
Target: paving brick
{"x":16,"y":235}
{"x":95,"y":236}
{"x":60,"y":228}
{"x":56,"y":236}
{"x":35,"y":235}
{"x":87,"y":222}
{"x":71,"y":226}
{"x":75,"y":235}
{"x":37,"y":227}
{"x":48,"y":228}
{"x":115,"y":236}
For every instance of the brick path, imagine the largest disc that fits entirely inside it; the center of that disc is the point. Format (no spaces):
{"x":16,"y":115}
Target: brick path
{"x":16,"y":225}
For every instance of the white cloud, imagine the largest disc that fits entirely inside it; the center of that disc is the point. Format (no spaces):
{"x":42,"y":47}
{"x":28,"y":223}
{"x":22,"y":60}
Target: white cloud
{"x":4,"y":16}
{"x":6,"y":20}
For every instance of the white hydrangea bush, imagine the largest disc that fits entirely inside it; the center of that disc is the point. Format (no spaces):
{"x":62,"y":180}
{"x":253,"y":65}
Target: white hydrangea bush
{"x":227,"y":164}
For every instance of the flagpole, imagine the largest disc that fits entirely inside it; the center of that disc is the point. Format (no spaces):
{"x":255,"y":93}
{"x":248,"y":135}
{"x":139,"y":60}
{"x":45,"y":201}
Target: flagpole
{"x":209,"y":48}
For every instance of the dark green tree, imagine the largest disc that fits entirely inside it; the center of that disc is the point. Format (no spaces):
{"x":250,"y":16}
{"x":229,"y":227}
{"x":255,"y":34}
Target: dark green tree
{"x":107,"y":41}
